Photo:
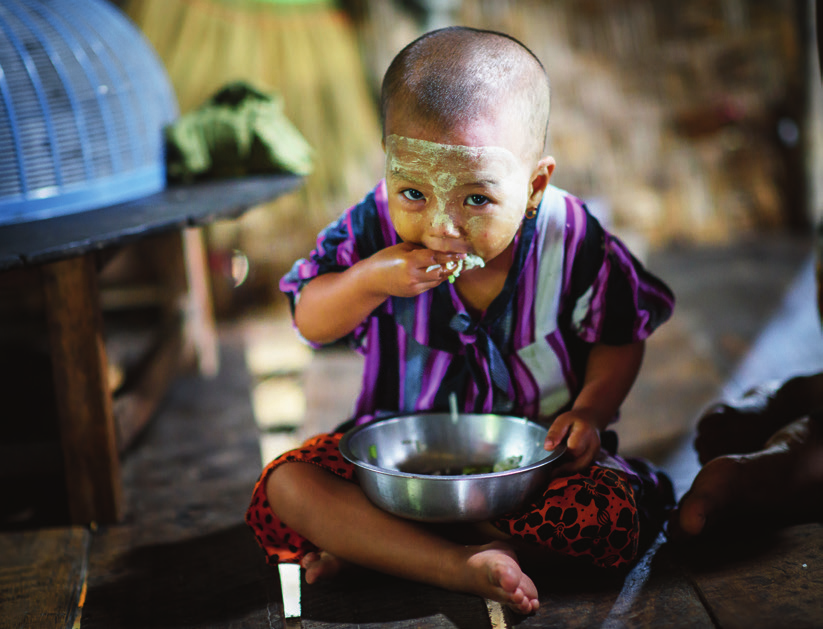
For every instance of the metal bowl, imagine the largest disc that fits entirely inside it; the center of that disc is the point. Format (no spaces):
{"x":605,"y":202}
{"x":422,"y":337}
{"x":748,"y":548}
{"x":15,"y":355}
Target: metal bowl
{"x":413,"y":465}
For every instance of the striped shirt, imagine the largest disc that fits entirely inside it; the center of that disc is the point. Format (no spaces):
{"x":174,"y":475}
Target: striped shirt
{"x":571,"y":284}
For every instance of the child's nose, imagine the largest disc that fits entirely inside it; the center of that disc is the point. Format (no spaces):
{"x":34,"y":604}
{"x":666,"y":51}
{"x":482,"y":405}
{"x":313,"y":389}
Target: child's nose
{"x":446,"y":221}
{"x":445,"y":226}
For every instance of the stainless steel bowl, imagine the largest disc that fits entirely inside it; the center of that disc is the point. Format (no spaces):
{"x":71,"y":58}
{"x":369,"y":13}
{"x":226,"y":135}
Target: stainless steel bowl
{"x":397,"y":461}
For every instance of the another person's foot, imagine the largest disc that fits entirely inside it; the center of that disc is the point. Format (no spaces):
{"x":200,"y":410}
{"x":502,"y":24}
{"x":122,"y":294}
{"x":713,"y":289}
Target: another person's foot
{"x":744,"y":425}
{"x":777,"y":486}
{"x":321,"y":565}
{"x":493,"y":572}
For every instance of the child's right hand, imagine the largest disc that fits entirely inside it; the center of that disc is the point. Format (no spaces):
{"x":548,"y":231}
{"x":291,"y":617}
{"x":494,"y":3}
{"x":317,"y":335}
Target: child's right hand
{"x":405,"y":270}
{"x":333,"y":304}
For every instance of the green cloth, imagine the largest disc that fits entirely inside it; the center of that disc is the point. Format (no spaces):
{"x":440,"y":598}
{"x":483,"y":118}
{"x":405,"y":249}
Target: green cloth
{"x":238,"y":131}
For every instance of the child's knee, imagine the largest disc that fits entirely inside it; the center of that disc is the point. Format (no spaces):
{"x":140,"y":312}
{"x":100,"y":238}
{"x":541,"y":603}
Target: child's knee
{"x":286,"y":483}
{"x":591,"y":515}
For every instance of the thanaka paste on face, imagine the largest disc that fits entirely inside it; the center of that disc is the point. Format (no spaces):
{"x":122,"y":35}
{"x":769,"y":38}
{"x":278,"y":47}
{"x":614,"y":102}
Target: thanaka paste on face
{"x":440,"y":168}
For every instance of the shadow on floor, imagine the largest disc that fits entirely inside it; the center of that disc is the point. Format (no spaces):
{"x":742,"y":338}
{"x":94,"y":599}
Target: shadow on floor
{"x":201,"y":581}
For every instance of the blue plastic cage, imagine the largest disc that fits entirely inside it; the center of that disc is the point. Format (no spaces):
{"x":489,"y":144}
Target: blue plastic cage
{"x":83,"y":102}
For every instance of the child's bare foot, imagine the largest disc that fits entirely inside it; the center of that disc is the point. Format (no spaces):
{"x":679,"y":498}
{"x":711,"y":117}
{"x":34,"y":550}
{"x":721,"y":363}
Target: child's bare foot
{"x":493,"y":572}
{"x":744,"y":425}
{"x":321,"y":565}
{"x":778,"y":485}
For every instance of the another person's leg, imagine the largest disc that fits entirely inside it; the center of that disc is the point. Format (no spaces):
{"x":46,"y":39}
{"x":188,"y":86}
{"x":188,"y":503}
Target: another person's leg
{"x":762,"y":457}
{"x":779,"y":485}
{"x":744,"y":426}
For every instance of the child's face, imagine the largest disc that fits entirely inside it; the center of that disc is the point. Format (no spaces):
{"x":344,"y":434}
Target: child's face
{"x":461,"y":192}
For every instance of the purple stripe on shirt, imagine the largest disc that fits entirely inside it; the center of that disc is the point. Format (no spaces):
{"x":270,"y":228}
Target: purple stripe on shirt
{"x":488,"y":399}
{"x":575,"y":233}
{"x":662,"y":296}
{"x":401,"y":368}
{"x":431,"y":378}
{"x":371,"y":371}
{"x":555,"y":340}
{"x":471,"y":396}
{"x":422,"y":308}
{"x":641,"y":330}
{"x":286,"y":286}
{"x":652,"y":290}
{"x":346,"y":253}
{"x":525,"y":325}
{"x":487,"y":402}
{"x":597,"y":305}
{"x":526,"y":390}
{"x":308,"y":270}
{"x":318,"y":243}
{"x":381,"y":200}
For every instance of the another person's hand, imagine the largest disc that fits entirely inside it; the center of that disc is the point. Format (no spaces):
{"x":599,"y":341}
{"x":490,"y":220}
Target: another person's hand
{"x":582,"y":439}
{"x":407,"y":270}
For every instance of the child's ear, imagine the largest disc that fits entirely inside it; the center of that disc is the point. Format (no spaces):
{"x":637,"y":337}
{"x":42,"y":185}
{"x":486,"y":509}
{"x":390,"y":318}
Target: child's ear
{"x":540,"y":180}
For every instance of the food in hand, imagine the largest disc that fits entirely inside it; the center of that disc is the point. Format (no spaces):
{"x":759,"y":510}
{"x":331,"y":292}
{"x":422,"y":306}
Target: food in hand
{"x":471,"y":261}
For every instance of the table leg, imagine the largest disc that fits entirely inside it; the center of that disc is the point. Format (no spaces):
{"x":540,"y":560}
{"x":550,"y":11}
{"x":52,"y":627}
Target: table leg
{"x":200,"y":324}
{"x":79,"y":367}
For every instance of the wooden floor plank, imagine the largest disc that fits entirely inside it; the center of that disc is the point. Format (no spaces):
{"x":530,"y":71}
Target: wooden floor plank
{"x":369,"y":599}
{"x":573,"y":594}
{"x":212,"y":581}
{"x":657,"y":593}
{"x":41,"y":577}
{"x":763,"y":582}
{"x":183,"y":556}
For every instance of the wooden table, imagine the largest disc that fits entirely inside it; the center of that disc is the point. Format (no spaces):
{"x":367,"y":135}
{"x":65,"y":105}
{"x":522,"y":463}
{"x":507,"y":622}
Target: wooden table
{"x":63,"y":253}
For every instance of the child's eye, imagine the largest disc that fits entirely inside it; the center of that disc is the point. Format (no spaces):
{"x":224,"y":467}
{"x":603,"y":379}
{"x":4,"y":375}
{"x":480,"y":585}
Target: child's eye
{"x":477,"y":199}
{"x":412,"y":195}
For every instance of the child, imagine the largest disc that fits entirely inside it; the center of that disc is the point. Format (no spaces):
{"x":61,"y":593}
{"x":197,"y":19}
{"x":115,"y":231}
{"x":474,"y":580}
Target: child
{"x":548,"y":324}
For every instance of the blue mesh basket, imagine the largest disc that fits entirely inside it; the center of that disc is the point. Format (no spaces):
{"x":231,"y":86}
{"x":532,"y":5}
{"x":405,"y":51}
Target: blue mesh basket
{"x":83,"y":103}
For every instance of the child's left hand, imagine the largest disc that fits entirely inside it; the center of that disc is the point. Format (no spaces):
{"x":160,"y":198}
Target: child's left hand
{"x":583,"y":441}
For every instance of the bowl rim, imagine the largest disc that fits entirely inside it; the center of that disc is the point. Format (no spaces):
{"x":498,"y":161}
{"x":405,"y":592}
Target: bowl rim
{"x":346,"y":453}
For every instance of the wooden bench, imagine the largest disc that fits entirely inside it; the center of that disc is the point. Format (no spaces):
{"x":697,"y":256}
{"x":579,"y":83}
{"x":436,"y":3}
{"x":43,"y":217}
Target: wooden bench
{"x":63,"y":255}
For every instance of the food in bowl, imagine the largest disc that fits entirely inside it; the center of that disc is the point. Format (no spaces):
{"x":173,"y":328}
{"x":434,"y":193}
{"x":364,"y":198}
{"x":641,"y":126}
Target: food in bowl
{"x":509,"y":463}
{"x":434,"y":466}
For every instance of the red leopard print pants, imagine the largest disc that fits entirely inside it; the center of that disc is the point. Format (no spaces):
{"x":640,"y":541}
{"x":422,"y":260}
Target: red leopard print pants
{"x":591,"y":514}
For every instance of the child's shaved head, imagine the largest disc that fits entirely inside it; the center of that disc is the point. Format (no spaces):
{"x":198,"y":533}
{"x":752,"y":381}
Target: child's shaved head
{"x":450,"y":76}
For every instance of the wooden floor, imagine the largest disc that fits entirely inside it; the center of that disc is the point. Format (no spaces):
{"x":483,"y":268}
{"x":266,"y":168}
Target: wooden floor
{"x":183,"y":557}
